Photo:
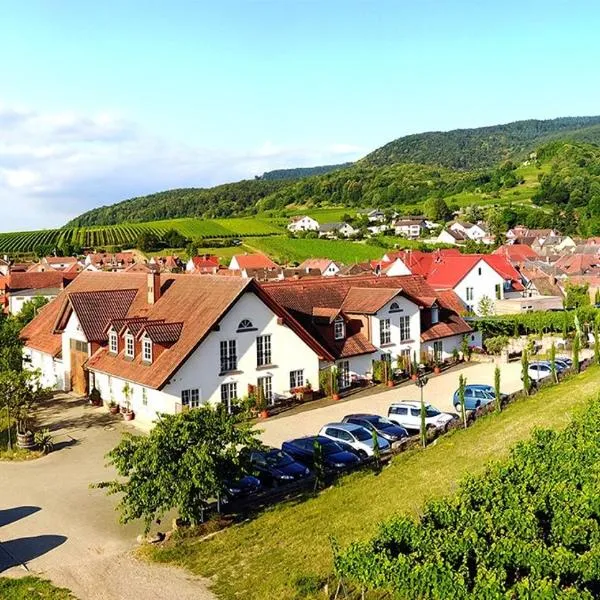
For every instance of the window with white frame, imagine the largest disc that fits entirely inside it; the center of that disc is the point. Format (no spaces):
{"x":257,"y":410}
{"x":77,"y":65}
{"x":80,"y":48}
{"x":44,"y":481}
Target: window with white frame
{"x":190,"y":398}
{"x":129,"y":346}
{"x":263,"y":350}
{"x":469,"y":291}
{"x":266,"y":384}
{"x":344,"y":379}
{"x":339,"y":329}
{"x":229,"y":394}
{"x":113,"y":342}
{"x":385,"y":332}
{"x":228,"y":356}
{"x":296,"y":379}
{"x":147,"y":350}
{"x":404,"y":326}
{"x":144,"y":397}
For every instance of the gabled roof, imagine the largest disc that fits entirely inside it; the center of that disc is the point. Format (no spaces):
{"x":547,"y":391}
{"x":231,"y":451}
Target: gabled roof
{"x":317,"y":263}
{"x":578,"y":264}
{"x":368,"y":300}
{"x":516,"y":252}
{"x":254,"y":261}
{"x":39,"y":280}
{"x":161,"y":332}
{"x":59,"y":260}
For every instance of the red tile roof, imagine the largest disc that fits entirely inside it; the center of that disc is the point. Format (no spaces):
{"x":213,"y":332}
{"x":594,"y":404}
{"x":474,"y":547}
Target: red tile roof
{"x":368,"y":300}
{"x":39,"y":280}
{"x":161,"y":333}
{"x":60,"y":260}
{"x":316,"y":263}
{"x":254,"y":261}
{"x":516,"y":252}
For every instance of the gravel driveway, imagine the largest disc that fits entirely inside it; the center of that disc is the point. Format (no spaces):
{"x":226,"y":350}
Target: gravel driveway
{"x":55,"y":525}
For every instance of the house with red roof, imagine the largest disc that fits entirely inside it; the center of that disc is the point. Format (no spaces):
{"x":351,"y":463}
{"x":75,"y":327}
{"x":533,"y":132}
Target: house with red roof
{"x":516,"y":253}
{"x":239,"y":262}
{"x":175,"y":341}
{"x":205,"y":264}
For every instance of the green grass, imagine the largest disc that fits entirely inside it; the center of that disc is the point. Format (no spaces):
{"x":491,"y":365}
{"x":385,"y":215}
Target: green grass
{"x":31,"y":588}
{"x":261,"y":558}
{"x":213,"y":228}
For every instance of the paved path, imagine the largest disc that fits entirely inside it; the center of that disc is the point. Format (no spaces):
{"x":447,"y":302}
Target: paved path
{"x":439,"y":392}
{"x":51,"y":520}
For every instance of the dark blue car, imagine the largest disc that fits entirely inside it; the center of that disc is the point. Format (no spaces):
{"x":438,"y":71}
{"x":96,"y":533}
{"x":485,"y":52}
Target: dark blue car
{"x":385,"y":428}
{"x":274,"y":467}
{"x":335,"y":456}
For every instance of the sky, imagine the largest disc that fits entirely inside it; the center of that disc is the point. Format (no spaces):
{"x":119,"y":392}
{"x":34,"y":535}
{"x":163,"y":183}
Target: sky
{"x":102,"y":101}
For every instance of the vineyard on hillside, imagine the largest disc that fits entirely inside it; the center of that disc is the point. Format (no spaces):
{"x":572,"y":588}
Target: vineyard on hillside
{"x":127,"y":234}
{"x":528,"y":528}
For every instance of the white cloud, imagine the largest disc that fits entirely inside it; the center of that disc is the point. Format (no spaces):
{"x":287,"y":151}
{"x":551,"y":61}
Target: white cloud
{"x":54,"y":166}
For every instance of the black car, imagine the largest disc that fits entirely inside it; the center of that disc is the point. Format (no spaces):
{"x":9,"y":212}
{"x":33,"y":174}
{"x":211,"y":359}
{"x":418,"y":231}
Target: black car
{"x":242,"y":488}
{"x":275,"y":467}
{"x":385,"y":428}
{"x":334,"y":455}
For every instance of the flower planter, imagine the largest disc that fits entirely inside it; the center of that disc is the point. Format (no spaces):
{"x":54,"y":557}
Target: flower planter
{"x":264,"y":414}
{"x":436,"y":370}
{"x":307,"y":396}
{"x":390,"y":384}
{"x":335,"y":397}
{"x":114,"y":410}
{"x":413,"y":377}
{"x":129,"y":415}
{"x":26,"y":440}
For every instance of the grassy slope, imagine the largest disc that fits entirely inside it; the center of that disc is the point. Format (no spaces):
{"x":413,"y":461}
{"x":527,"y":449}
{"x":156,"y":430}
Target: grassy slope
{"x":31,"y":588}
{"x":262,"y":558}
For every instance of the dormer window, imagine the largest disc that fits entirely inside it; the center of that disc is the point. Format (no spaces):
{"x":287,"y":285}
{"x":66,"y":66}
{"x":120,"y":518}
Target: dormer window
{"x":339,"y":329}
{"x":113,"y":342}
{"x":129,"y":346}
{"x":147,"y":350}
{"x":435,"y":314}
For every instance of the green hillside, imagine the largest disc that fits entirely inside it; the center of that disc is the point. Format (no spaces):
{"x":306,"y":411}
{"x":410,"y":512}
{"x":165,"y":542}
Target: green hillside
{"x":301,"y":172}
{"x":483,"y":147}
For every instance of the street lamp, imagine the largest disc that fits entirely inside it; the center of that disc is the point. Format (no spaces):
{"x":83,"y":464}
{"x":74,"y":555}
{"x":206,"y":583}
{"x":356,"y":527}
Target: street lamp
{"x":421,"y":382}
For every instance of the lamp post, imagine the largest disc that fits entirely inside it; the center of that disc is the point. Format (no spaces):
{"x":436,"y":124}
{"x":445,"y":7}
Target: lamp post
{"x":421,"y":382}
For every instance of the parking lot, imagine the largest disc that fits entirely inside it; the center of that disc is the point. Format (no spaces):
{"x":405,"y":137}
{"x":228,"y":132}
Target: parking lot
{"x":438,"y":391}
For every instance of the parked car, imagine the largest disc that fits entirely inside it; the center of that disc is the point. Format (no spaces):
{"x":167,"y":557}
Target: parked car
{"x":559,"y":364}
{"x":242,"y":488}
{"x":538,"y":371}
{"x":275,"y":467}
{"x":408,"y":415}
{"x":566,"y":360}
{"x":475,"y":396}
{"x":335,"y":456}
{"x":357,"y":437}
{"x":488,"y":388}
{"x":385,"y":428}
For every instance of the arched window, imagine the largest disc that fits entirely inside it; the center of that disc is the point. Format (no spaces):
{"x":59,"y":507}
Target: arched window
{"x":339,"y":329}
{"x":245,"y":325}
{"x":394,"y":307}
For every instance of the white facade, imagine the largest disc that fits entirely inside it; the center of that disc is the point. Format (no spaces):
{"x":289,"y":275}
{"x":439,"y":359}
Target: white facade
{"x":16,"y":300}
{"x":51,"y":369}
{"x":305,"y":223}
{"x":472,"y":231}
{"x":445,"y":237}
{"x":397,"y":268}
{"x":409,"y":230}
{"x":331,"y":270}
{"x":202,"y":370}
{"x":481,"y":281}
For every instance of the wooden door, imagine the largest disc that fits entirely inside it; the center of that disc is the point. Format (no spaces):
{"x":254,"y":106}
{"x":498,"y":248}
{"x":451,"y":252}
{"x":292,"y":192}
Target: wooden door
{"x":79,"y":354}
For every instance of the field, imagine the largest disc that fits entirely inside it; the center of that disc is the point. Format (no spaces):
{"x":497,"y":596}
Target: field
{"x":283,"y":249}
{"x":127,"y":234}
{"x":31,"y":588}
{"x":262,"y":558}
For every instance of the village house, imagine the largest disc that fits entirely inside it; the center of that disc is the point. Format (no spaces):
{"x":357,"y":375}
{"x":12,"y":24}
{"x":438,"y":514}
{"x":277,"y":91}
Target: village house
{"x":22,"y":287}
{"x":336,"y":229}
{"x":304,"y":223}
{"x":472,"y":231}
{"x":59,"y":263}
{"x":239,"y":262}
{"x":325,"y":266}
{"x":4,"y":265}
{"x":410,"y":227}
{"x":516,"y":253}
{"x":450,"y":236}
{"x":374,"y":215}
{"x":175,"y":341}
{"x":102,"y":261}
{"x":205,"y":264}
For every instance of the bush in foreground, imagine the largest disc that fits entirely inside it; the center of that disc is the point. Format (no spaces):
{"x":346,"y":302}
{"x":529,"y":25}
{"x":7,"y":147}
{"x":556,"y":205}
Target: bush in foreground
{"x":528,"y":528}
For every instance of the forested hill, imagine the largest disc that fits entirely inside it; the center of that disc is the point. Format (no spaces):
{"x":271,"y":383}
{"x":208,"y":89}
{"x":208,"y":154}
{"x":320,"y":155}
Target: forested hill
{"x":221,"y":201}
{"x":301,"y":172}
{"x":483,"y":147}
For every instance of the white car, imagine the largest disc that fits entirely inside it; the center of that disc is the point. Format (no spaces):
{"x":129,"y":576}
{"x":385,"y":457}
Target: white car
{"x":539,"y":370}
{"x":357,"y":437}
{"x":408,"y":415}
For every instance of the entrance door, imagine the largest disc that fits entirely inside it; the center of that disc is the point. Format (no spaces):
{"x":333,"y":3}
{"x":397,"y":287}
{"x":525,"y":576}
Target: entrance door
{"x":79,"y":355}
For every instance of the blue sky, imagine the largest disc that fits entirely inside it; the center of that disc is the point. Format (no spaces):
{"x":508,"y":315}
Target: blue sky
{"x":100,"y":101}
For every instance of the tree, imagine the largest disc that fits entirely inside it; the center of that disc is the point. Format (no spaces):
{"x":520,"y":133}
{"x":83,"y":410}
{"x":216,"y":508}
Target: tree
{"x":186,"y":460}
{"x":11,"y":358}
{"x":462,"y":384}
{"x":497,"y":394}
{"x":437,"y":209}
{"x":486,"y":307}
{"x":576,"y":349}
{"x":495,"y":345}
{"x":147,"y":241}
{"x":30,"y":309}
{"x":525,"y":372}
{"x":577,"y":295}
{"x":597,"y":296}
{"x":553,"y":363}
{"x":376,"y":451}
{"x":318,"y":465}
{"x":174,"y":239}
{"x":596,"y":343}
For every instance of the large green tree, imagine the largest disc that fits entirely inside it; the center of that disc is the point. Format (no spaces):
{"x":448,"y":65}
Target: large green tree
{"x":185,"y":461}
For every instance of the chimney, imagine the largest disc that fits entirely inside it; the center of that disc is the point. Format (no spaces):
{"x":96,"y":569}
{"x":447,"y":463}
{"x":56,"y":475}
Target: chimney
{"x":153,"y":288}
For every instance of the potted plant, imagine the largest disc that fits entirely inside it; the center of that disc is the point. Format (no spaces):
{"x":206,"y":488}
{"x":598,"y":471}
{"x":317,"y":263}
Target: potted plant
{"x":436,"y":367}
{"x":128,"y":414}
{"x":113,"y":407}
{"x":25,"y":437}
{"x":95,"y":397}
{"x":414,"y":367}
{"x":261,"y":403}
{"x":307,"y":393}
{"x":455,"y":356}
{"x":335,"y":384}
